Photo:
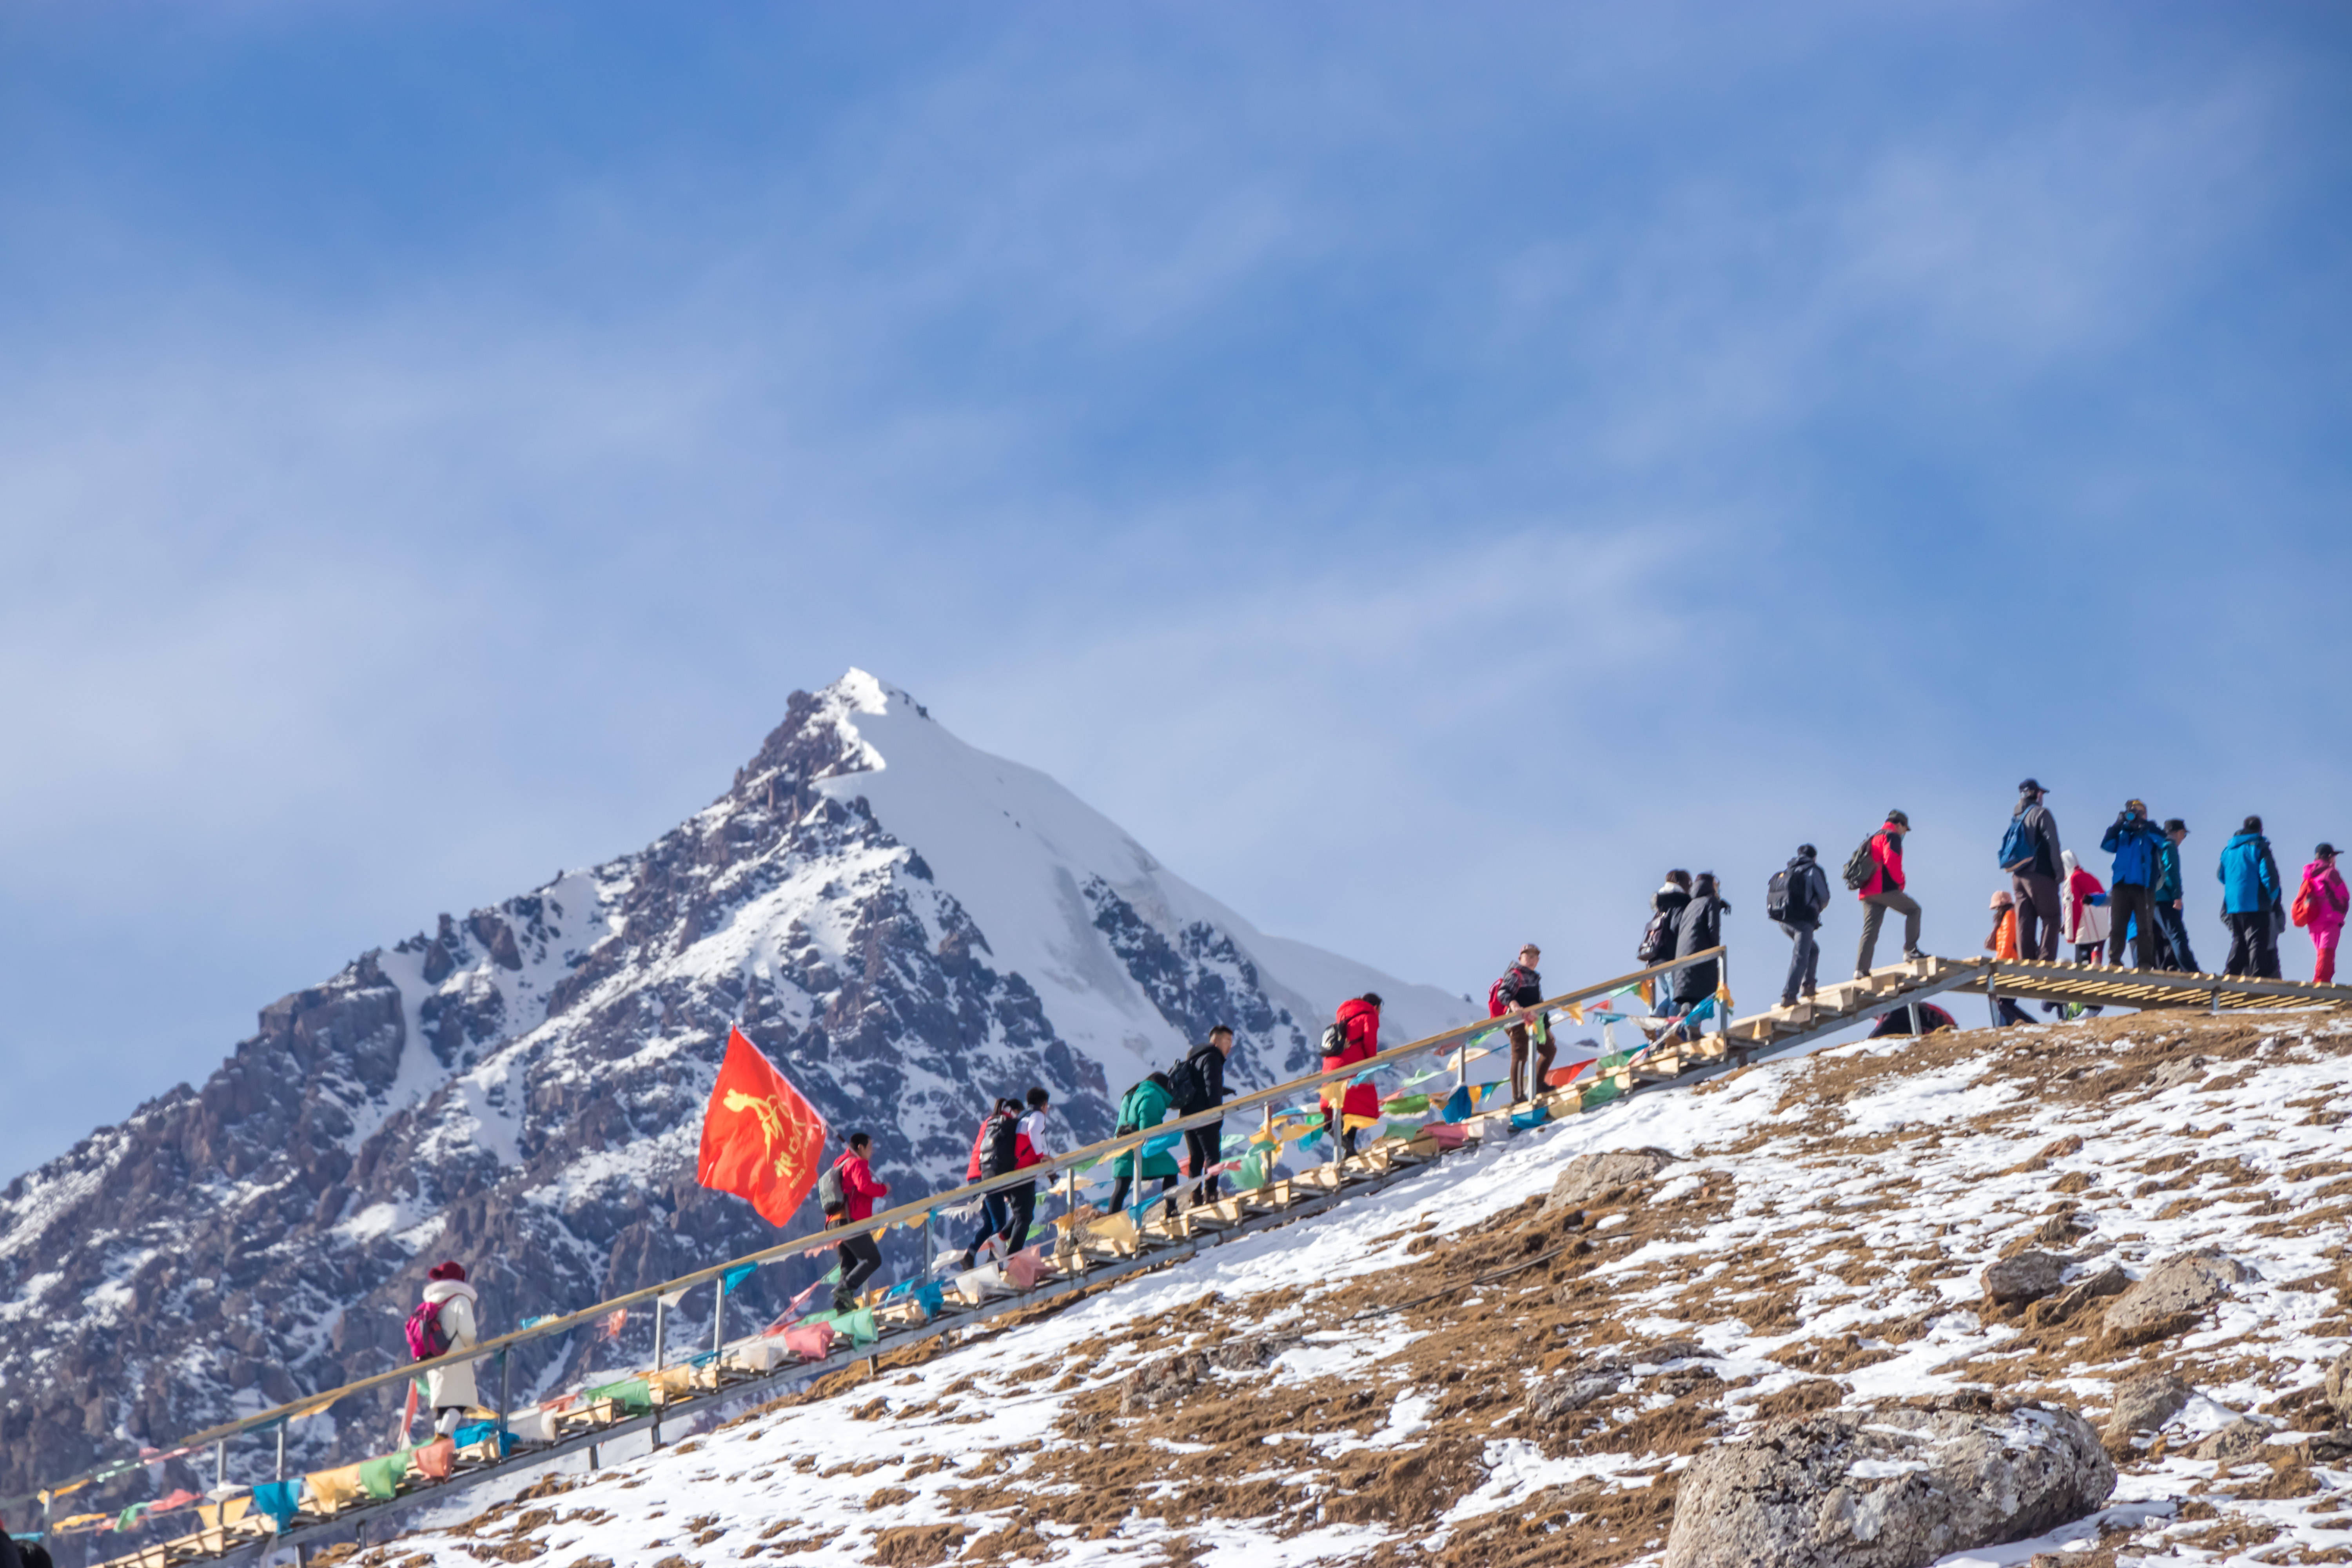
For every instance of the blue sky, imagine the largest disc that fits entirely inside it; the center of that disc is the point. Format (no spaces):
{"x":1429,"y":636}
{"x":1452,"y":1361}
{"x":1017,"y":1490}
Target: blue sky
{"x":1421,"y":473}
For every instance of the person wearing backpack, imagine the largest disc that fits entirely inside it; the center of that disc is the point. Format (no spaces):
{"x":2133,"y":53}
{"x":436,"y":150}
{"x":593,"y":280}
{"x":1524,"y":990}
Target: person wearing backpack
{"x":1519,"y":989}
{"x":2029,"y":853}
{"x":1658,"y":938}
{"x":1352,"y":1036}
{"x":996,"y":1149}
{"x":2132,"y":839}
{"x":2250,"y":902}
{"x":2169,"y":896}
{"x":1874,"y":872}
{"x":1199,"y":1084}
{"x":2319,"y":905}
{"x":445,"y":1321}
{"x":1795,"y":898}
{"x":847,"y":1191}
{"x":1144,"y":1106}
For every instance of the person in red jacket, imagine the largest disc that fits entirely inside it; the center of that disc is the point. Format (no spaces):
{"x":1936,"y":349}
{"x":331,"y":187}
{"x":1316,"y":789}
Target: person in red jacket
{"x":1884,"y":891}
{"x":1359,"y":1022}
{"x":860,"y":1255}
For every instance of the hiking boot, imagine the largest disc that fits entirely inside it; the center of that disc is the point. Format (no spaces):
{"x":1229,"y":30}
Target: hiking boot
{"x":963,"y":1260}
{"x":843,"y":1302}
{"x":1912,"y":956}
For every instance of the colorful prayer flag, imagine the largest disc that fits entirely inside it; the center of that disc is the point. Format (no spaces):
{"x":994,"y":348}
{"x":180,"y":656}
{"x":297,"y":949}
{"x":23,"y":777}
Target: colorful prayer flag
{"x":761,"y":1140}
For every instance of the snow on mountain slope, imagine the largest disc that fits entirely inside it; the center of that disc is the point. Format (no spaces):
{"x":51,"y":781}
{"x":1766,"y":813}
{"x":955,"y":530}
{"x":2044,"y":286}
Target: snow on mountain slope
{"x":904,"y":924}
{"x":1039,"y":871}
{"x":1454,"y":1372}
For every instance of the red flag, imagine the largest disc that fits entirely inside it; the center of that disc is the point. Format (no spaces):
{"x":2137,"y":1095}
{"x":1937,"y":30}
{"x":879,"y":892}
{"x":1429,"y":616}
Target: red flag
{"x":761,"y":1140}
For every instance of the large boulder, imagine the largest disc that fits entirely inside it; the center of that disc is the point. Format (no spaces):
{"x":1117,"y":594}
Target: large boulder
{"x":1588,"y":1176}
{"x":2144,"y":1403}
{"x":2172,"y":1296}
{"x":2338,"y":1388}
{"x":2027,"y":1277}
{"x":1887,"y":1486}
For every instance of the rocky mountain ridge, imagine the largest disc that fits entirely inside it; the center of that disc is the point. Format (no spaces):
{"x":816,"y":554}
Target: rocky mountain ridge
{"x":522,"y":1088}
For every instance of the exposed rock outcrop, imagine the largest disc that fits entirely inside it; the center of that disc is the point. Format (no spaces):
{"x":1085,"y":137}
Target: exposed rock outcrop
{"x":1887,"y":1486}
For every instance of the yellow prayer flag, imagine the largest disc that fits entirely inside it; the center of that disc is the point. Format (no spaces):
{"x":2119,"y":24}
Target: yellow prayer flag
{"x":1649,"y":993}
{"x":333,"y":1490}
{"x":1576,"y":1012}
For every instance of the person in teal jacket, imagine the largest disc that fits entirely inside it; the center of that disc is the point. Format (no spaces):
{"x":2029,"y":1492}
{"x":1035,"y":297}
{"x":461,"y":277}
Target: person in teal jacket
{"x":1145,"y":1105}
{"x":2250,"y":902}
{"x":2170,"y":895}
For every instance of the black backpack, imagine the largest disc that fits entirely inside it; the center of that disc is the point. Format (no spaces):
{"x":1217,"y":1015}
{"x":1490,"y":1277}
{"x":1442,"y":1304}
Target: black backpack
{"x":1789,"y":897}
{"x":1860,"y":867}
{"x":1335,"y":1039}
{"x":998,"y":1148}
{"x":1658,"y":937}
{"x":1186,"y":1089}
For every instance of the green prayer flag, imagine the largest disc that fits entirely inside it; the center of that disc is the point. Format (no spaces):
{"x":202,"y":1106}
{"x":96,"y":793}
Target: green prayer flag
{"x":630,"y":1394}
{"x":382,"y":1477}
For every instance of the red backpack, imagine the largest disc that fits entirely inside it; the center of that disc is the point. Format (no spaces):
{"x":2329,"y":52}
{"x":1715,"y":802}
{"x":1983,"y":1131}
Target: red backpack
{"x":2304,"y":904}
{"x":426,"y":1337}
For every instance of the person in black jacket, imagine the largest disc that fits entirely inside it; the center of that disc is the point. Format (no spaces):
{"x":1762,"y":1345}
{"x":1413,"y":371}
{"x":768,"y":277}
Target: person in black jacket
{"x":1809,"y":899}
{"x":1201,"y":1086}
{"x":1701,"y":928}
{"x":1669,"y":901}
{"x":1521,"y":987}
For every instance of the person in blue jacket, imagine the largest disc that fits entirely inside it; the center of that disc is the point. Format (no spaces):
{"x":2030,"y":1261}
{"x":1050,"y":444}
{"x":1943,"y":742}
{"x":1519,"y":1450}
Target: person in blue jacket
{"x":2250,"y":902}
{"x":2133,"y":840}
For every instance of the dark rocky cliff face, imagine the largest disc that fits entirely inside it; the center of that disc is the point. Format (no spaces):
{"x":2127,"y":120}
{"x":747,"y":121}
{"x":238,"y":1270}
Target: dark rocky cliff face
{"x":523,"y":1089}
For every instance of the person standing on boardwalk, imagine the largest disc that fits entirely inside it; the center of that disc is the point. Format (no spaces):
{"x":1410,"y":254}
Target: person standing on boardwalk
{"x":859,"y":1256}
{"x":2002,"y":945}
{"x":1356,"y":1030}
{"x":1519,"y":989}
{"x":1658,"y":938}
{"x":450,"y":1387}
{"x":2322,"y":900}
{"x":1796,"y":899}
{"x":2170,"y":895}
{"x":1198,"y":1084}
{"x":2030,"y":855}
{"x":2250,"y":902}
{"x":1880,"y":889}
{"x":2132,"y":839}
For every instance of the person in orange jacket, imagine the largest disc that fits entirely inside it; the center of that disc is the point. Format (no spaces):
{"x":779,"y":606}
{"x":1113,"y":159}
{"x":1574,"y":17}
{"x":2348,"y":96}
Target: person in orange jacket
{"x":1359,"y":1022}
{"x":2003,"y":943}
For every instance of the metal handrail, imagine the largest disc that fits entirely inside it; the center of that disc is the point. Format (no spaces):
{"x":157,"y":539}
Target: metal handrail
{"x":876,"y":1225}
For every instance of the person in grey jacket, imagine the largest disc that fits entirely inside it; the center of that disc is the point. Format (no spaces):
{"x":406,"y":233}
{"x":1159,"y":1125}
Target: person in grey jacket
{"x":2033,"y":880}
{"x":1808,"y":897}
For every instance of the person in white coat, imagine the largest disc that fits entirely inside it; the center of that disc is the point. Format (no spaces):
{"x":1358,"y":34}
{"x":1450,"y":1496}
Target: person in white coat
{"x":450,"y":1387}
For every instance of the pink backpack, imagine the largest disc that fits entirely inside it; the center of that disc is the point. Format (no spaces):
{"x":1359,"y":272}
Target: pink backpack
{"x":425,"y":1338}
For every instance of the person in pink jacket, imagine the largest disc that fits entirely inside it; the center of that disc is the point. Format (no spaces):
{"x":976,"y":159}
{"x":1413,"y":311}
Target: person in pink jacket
{"x":2329,"y":900}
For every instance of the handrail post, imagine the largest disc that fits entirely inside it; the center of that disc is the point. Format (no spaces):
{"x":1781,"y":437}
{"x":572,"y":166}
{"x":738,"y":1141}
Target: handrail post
{"x":220,"y":1466}
{"x":504,"y":1352}
{"x":282,"y":1451}
{"x":661,"y":1332}
{"x":717,"y":1326}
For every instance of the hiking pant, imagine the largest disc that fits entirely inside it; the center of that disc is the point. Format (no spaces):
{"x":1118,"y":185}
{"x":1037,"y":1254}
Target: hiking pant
{"x":2176,"y":931}
{"x":2253,"y":945}
{"x":861,"y":1259}
{"x":1804,"y":961}
{"x":1118,"y":1192}
{"x":2130,"y":902}
{"x":1201,"y":1147}
{"x":1528,"y":1090}
{"x":2037,"y":915}
{"x":1021,"y":1208}
{"x":994,"y":1214}
{"x":2009,"y":1013}
{"x":1873,"y":910}
{"x":2323,"y":971}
